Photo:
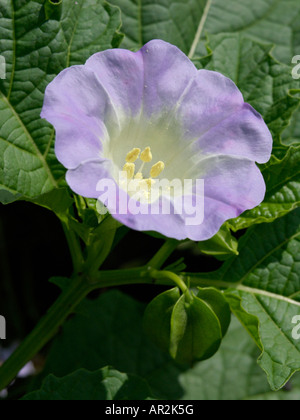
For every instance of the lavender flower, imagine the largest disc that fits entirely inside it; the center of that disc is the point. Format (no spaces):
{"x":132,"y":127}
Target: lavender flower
{"x":151,"y":116}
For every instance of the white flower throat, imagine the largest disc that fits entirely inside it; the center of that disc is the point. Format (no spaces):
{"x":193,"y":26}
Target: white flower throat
{"x":135,"y":181}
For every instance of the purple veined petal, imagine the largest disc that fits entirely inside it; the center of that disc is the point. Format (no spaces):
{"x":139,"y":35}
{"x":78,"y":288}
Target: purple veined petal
{"x":247,"y":136}
{"x":84,"y":179}
{"x":213,"y":106}
{"x":209,"y":99}
{"x":144,"y":81}
{"x":121,"y":74}
{"x":231,"y":187}
{"x":81,"y":113}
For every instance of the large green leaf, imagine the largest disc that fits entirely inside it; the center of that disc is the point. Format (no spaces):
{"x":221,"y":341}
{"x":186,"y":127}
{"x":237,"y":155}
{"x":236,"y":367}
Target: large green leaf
{"x":271,"y":21}
{"x":36,"y":46}
{"x":184,"y":23}
{"x":175,"y":22}
{"x":111,"y":333}
{"x":105,"y":384}
{"x":265,"y":281}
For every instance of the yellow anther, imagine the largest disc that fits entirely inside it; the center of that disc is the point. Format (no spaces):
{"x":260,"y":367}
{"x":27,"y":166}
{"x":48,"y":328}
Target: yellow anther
{"x":147,"y":183}
{"x":146,"y":155}
{"x":157,"y":169}
{"x":139,"y":175}
{"x":129,"y":168}
{"x":133,"y":155}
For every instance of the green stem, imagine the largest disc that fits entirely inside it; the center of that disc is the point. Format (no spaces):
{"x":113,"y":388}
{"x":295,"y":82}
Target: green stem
{"x":174,"y":278}
{"x":75,"y":248}
{"x":163,"y":254}
{"x":45,"y":330}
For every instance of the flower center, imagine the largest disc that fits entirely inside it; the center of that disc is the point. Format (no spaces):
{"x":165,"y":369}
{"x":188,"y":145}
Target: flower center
{"x":134,"y":181}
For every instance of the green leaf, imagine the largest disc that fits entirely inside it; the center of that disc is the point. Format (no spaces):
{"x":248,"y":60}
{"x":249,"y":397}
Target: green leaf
{"x":282,"y":179}
{"x":291,"y":136}
{"x":266,"y":277}
{"x":104,"y":384}
{"x":196,"y":332}
{"x":281,"y":351}
{"x":157,"y":318}
{"x":268,"y":21}
{"x":175,"y":22}
{"x":58,"y":200}
{"x":36,"y":49}
{"x":222,"y":246}
{"x":185,"y":23}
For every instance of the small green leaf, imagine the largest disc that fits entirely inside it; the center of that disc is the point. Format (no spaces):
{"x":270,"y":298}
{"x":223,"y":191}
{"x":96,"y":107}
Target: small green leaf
{"x":222,"y":246}
{"x":195,"y":331}
{"x":157,"y":318}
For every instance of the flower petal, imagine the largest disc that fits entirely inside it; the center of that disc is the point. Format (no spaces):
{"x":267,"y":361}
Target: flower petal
{"x":151,"y":80}
{"x":209,"y":100}
{"x":247,"y":136}
{"x":81,"y":112}
{"x":84,"y":179}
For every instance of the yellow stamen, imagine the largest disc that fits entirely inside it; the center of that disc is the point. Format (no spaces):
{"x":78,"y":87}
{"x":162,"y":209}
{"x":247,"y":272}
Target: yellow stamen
{"x":129,"y":168}
{"x":157,"y":169}
{"x":139,"y":175}
{"x":147,"y":183}
{"x":146,"y":155}
{"x":133,"y":155}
